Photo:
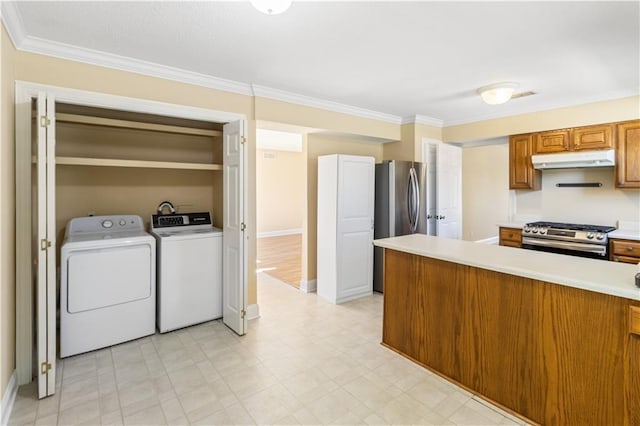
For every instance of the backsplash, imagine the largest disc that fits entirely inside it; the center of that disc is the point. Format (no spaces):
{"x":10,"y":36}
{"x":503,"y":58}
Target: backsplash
{"x":604,"y":205}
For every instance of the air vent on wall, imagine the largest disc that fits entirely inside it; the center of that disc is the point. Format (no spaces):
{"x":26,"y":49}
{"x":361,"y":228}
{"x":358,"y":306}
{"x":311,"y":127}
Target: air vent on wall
{"x":523,"y":94}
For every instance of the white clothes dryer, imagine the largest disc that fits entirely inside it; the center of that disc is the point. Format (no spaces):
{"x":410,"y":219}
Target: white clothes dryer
{"x":189,"y":269}
{"x":108,"y":283}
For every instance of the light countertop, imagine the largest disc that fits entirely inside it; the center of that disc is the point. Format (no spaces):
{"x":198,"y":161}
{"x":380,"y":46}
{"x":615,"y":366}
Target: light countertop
{"x":517,"y":225}
{"x":601,"y":276}
{"x":625,"y":234}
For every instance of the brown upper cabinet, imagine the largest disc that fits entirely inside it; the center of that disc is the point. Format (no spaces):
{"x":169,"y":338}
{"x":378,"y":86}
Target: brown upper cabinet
{"x":624,"y":137}
{"x":576,"y":139}
{"x":550,"y":142}
{"x":522,"y":175}
{"x":628,"y":154}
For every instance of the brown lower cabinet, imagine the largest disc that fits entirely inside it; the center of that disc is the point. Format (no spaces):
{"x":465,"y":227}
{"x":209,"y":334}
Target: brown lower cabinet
{"x":552,"y":354}
{"x":511,"y":237}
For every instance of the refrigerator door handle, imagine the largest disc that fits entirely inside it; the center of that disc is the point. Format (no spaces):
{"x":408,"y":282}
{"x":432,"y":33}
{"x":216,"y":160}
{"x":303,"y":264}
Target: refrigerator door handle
{"x":413,"y":200}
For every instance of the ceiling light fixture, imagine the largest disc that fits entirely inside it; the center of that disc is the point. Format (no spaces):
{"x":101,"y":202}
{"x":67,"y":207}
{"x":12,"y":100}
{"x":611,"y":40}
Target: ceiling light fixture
{"x":499,"y":93}
{"x":271,"y":7}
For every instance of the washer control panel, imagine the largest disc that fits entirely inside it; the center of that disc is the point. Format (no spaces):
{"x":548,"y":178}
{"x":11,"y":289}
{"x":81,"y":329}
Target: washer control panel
{"x":177,"y":220}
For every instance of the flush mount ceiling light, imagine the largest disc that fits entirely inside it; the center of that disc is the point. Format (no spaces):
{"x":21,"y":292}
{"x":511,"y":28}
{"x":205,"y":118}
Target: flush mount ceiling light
{"x":499,"y":93}
{"x":271,"y":7}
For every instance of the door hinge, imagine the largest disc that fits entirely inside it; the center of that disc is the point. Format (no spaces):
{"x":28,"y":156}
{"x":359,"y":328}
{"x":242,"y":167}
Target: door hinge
{"x":44,"y":244}
{"x":44,"y":121}
{"x":243,"y":314}
{"x":243,"y":140}
{"x":243,"y":226}
{"x":45,"y":367}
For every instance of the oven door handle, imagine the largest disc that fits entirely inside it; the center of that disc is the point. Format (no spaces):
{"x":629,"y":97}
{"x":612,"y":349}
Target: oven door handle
{"x":589,"y":248}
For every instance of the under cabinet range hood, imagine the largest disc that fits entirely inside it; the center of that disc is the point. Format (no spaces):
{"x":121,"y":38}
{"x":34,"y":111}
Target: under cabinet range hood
{"x":569,"y":160}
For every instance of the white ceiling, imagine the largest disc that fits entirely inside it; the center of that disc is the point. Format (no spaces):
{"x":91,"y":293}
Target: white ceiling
{"x":397,"y":58}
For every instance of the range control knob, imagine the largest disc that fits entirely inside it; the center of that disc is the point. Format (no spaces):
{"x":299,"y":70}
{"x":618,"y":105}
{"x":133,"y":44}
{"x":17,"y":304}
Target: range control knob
{"x":122,"y":222}
{"x":107,"y":224}
{"x":590,"y":235}
{"x":600,"y":236}
{"x":543,"y":231}
{"x":526,"y":228}
{"x":534,"y":229}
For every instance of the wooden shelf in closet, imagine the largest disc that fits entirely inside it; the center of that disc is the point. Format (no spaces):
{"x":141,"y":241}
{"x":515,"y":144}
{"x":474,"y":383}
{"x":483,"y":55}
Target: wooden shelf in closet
{"x":110,"y":162}
{"x":138,"y":125}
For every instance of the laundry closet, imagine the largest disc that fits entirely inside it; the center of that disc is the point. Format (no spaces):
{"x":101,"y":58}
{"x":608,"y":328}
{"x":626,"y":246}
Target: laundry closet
{"x":115,"y":162}
{"x":90,"y":156}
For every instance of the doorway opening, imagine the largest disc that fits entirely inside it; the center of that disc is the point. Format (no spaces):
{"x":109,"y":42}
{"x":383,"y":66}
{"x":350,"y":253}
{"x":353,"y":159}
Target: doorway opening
{"x":281,"y":199}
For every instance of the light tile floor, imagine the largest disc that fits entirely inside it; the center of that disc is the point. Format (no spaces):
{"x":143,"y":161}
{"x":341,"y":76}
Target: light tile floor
{"x":305,"y":361}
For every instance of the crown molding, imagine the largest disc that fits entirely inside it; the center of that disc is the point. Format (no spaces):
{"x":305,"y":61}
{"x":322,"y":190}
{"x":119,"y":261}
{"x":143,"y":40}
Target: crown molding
{"x":294,"y":98}
{"x":136,"y":66}
{"x":12,"y":22}
{"x":422,"y":119}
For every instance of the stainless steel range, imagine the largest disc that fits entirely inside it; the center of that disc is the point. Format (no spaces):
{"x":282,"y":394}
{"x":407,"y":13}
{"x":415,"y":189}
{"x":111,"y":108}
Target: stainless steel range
{"x":567,"y":238}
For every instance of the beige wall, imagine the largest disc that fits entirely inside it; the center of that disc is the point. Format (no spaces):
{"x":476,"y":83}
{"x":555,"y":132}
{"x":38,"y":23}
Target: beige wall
{"x":7,"y":214}
{"x":318,"y":145}
{"x":600,"y":206}
{"x":581,"y":115}
{"x":409,"y":148}
{"x":485,"y":190}
{"x":299,"y":115}
{"x":281,"y":182}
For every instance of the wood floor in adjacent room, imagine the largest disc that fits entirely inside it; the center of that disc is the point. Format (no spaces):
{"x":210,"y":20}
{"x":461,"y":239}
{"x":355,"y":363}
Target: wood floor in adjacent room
{"x":281,"y":257}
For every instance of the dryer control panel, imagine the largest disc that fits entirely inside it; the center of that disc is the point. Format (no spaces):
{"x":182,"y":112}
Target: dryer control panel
{"x":106,"y":224}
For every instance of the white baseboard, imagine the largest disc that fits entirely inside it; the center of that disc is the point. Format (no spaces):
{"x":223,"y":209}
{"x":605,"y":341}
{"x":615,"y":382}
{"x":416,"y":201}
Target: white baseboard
{"x":253,"y":311}
{"x":308,"y":286}
{"x":8,"y":399}
{"x":279,"y":233}
{"x":492,"y":240}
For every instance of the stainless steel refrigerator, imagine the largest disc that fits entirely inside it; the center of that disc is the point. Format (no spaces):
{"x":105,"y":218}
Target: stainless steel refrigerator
{"x":400,"y":205}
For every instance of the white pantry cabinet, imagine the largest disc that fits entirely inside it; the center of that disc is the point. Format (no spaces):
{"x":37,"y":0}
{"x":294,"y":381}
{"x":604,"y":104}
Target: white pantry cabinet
{"x":346,"y":191}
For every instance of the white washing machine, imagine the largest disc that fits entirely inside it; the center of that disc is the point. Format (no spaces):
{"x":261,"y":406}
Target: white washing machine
{"x":108,"y":283}
{"x":189,"y":269}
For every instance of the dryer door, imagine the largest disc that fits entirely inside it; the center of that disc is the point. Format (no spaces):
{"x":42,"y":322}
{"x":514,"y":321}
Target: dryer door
{"x":98,"y":278}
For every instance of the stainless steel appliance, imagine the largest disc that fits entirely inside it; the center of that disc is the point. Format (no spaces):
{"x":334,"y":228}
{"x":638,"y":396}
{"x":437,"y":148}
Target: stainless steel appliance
{"x":567,"y":238}
{"x":400,"y":205}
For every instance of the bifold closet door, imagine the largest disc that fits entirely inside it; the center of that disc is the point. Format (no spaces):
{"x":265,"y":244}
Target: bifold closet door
{"x":234,"y":254}
{"x":46,"y":245}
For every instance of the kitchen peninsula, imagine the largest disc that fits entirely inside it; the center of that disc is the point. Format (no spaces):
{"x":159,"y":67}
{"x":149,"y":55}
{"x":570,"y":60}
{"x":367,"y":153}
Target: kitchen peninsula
{"x":552,"y":338}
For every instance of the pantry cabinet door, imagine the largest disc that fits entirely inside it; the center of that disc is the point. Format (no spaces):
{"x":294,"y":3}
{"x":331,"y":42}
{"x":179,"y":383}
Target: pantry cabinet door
{"x":46,"y":245}
{"x":234,"y":268}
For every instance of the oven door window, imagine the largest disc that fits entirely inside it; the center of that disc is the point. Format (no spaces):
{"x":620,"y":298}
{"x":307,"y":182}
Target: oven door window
{"x":566,"y":251}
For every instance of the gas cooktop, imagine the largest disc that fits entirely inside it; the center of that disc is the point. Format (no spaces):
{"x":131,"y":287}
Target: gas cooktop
{"x":572,"y":226}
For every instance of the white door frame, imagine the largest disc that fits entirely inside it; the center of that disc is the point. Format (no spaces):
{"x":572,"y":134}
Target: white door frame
{"x":426,"y":142}
{"x":24,"y":93}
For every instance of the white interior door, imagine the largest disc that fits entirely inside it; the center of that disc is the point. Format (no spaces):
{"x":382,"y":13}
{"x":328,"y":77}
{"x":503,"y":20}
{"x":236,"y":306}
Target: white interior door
{"x":46,"y":246}
{"x":449,"y":192}
{"x":234,"y":268}
{"x":356,"y":192}
{"x":429,"y":158}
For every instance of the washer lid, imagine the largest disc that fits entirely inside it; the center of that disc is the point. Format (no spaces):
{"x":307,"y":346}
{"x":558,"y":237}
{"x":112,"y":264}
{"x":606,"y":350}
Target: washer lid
{"x":183,"y":232}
